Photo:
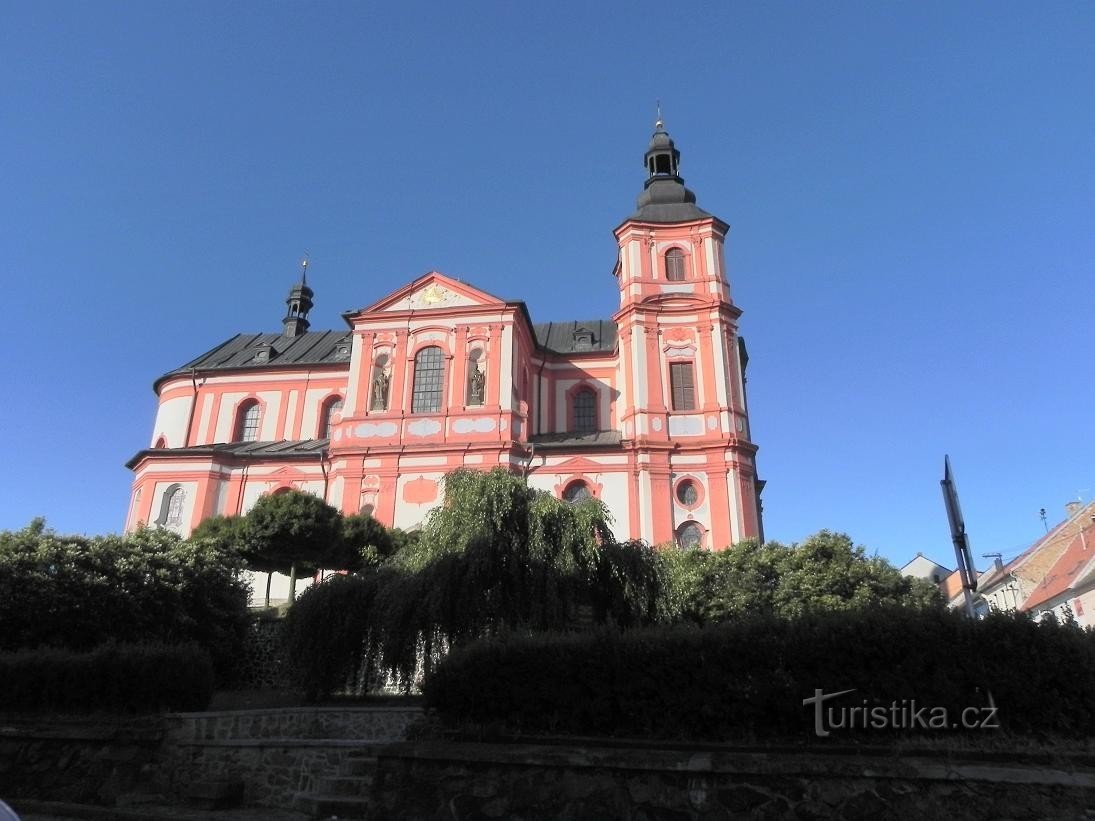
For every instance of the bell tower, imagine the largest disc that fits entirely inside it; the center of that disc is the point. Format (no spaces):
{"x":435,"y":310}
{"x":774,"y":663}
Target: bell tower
{"x":299,"y":303}
{"x":682,"y":403}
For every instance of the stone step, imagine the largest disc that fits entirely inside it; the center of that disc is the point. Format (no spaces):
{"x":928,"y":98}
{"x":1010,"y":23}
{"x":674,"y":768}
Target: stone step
{"x":333,"y":806}
{"x":349,"y":785}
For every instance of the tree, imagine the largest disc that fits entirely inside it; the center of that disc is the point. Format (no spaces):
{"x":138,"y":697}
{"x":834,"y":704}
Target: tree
{"x":293,"y":533}
{"x":366,"y":542}
{"x":825,"y":572}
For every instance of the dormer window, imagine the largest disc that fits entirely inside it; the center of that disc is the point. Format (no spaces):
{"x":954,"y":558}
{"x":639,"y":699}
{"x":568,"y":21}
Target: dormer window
{"x":342,"y":348}
{"x":264,"y":352}
{"x":674,"y":265}
{"x":583,"y":339}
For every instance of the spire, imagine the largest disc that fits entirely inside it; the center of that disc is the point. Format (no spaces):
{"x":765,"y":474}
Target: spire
{"x":664,"y":197}
{"x":300,"y":303}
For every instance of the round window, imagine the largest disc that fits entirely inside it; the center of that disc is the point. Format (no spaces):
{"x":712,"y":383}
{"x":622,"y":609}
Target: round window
{"x":687,"y":494}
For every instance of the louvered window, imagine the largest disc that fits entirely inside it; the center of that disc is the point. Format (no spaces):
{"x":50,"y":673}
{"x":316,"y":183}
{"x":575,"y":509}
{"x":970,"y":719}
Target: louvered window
{"x":674,"y":265}
{"x":429,"y":368}
{"x":682,"y":386}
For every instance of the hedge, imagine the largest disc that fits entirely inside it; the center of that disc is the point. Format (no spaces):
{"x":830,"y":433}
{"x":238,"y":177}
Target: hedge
{"x":747,"y":679}
{"x":117,"y":678}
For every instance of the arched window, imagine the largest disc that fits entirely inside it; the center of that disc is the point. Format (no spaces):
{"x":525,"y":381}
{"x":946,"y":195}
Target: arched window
{"x":332,"y":406}
{"x":429,"y":370}
{"x":585,"y":411}
{"x":247,"y":422}
{"x":171,"y":506}
{"x":689,"y":536}
{"x":577,"y":491}
{"x":674,"y":265}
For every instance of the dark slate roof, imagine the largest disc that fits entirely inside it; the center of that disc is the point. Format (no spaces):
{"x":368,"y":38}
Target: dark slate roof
{"x":310,"y":348}
{"x":559,"y":337}
{"x":284,"y":449}
{"x":598,"y":439}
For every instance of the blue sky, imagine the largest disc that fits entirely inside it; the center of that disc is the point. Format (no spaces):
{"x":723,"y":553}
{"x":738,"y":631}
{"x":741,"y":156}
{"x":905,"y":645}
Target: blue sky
{"x":911,"y":190}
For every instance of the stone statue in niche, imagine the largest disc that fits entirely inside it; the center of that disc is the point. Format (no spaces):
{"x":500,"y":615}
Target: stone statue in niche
{"x":476,"y":384}
{"x":380,"y":391}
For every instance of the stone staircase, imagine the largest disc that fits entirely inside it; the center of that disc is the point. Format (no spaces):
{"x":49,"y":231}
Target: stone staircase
{"x":346,"y":795}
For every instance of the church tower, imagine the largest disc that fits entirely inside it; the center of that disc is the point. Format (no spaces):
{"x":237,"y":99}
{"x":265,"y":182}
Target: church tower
{"x":682,"y":367}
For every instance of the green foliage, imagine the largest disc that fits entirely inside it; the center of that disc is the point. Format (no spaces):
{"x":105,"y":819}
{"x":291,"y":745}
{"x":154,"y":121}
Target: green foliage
{"x":113,"y":677}
{"x":293,"y":528}
{"x":79,"y":592}
{"x":746,"y":679}
{"x":825,"y":572}
{"x":367,"y":542}
{"x":496,"y":556}
{"x":325,"y":632}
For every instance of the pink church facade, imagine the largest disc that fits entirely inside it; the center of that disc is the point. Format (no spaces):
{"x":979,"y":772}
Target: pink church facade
{"x":645,"y":410}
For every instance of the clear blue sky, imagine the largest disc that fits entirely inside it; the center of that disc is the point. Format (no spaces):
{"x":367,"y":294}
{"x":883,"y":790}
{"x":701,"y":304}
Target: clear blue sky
{"x":911,"y":190}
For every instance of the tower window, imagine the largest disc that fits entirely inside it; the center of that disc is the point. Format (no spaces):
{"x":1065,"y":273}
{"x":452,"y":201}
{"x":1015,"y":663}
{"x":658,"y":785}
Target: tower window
{"x":682,"y":386}
{"x":330,"y":408}
{"x":585,"y":411}
{"x":428,"y":380}
{"x":674,"y":265}
{"x":576,"y":492}
{"x":247,"y":422}
{"x":689,"y":536}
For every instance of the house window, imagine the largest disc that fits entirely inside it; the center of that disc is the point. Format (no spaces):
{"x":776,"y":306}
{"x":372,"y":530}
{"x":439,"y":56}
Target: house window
{"x":576,"y":492}
{"x":585,"y":411}
{"x":330,"y":408}
{"x":429,"y":367}
{"x":687,"y":494}
{"x":247,"y":422}
{"x":689,"y":536}
{"x":682,"y":386}
{"x":674,"y":265}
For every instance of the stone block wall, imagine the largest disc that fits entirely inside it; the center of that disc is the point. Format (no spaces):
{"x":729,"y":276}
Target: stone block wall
{"x":436,"y":780}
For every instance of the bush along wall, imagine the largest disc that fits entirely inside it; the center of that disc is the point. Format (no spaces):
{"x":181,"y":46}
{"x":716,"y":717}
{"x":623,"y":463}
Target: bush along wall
{"x":119,"y":678}
{"x":747,"y":679}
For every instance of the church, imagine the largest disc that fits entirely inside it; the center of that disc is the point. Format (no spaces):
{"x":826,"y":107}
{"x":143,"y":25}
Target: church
{"x":645,"y":410}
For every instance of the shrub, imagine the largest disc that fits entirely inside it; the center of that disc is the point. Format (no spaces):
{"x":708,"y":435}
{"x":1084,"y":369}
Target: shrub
{"x":747,"y":679}
{"x":78,"y":592}
{"x":122,"y":678}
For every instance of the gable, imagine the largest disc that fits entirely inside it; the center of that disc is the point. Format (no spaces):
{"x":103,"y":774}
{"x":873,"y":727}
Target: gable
{"x":434,"y":291}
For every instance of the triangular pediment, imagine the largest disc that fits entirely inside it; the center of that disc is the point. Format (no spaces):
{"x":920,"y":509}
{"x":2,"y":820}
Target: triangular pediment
{"x":434,"y":291}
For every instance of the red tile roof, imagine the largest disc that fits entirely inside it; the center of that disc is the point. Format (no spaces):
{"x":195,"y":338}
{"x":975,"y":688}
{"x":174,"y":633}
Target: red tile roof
{"x":1067,"y":570}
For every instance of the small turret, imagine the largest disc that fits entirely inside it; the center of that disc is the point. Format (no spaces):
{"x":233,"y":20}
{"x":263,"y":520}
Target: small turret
{"x":300,"y":303}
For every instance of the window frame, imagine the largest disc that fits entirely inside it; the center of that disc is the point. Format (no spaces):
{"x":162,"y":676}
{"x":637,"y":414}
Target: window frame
{"x":684,"y":367}
{"x":580,"y":392}
{"x":419,"y":390}
{"x":675,"y":272}
{"x":245,"y":424}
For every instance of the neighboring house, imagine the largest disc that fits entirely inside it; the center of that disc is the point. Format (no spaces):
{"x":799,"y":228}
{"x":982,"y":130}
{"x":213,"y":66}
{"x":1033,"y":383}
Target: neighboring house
{"x":645,"y":410}
{"x":1054,"y":573}
{"x":921,"y":567}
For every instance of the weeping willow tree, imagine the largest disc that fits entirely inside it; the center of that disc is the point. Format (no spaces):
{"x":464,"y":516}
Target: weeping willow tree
{"x":498,"y":556}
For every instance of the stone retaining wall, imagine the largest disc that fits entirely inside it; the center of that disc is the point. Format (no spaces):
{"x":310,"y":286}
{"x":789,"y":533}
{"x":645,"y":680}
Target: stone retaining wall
{"x":441,"y":780}
{"x":81,"y":760}
{"x":368,"y":724}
